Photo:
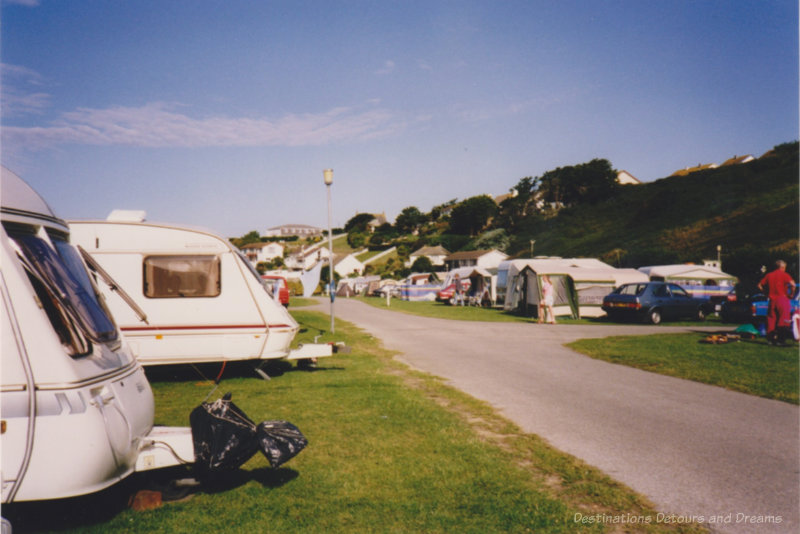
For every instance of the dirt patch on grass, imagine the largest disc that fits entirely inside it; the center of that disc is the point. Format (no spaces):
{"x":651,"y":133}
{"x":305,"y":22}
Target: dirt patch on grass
{"x":560,"y":475}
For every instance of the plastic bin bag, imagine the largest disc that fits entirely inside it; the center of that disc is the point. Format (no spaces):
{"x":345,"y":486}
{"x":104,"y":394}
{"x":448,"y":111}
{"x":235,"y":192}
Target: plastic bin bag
{"x":224,"y":438}
{"x":280,"y":441}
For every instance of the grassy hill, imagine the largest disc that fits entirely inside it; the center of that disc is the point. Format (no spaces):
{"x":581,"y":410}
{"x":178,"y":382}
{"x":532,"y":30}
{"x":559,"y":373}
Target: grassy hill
{"x":750,"y":210}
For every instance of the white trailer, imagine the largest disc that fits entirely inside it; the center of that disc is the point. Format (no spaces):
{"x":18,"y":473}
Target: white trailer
{"x":202,"y":299}
{"x":77,"y":409}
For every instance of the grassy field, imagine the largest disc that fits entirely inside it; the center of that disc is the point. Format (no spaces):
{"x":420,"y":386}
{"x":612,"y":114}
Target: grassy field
{"x":749,"y":366}
{"x":390,"y":450}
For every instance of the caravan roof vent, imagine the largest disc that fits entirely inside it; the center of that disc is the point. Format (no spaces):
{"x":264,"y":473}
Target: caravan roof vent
{"x":127,"y":216}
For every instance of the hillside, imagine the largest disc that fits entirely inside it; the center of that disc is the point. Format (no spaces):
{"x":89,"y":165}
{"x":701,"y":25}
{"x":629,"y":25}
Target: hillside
{"x":750,"y":210}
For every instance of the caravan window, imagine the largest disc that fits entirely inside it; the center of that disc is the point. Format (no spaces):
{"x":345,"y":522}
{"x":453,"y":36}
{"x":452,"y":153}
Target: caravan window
{"x":63,"y":288}
{"x":182,"y":276}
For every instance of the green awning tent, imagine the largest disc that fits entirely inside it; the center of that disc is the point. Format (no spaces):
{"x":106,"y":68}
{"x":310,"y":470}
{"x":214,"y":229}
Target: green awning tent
{"x":524,"y":293}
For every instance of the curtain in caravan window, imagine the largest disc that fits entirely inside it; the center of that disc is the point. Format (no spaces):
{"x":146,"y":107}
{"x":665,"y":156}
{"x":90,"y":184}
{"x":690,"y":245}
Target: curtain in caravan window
{"x":181,"y":276}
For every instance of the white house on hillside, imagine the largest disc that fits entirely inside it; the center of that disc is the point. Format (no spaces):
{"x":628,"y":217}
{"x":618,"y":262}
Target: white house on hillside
{"x":347,"y":265}
{"x":305,"y":259}
{"x":626,"y":178}
{"x":436,"y":254}
{"x":262,"y":252}
{"x":287,"y":230}
{"x":488,"y":259}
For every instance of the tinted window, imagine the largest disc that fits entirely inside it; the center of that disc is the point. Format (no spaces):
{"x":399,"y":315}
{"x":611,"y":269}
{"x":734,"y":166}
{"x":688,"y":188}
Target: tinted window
{"x":61,"y":275}
{"x":678,"y":291}
{"x":181,"y":276}
{"x":660,"y":291}
{"x":631,"y":289}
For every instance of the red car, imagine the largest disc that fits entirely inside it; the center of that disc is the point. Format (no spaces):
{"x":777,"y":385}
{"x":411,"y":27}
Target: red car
{"x":446,"y":294}
{"x":279,"y":287}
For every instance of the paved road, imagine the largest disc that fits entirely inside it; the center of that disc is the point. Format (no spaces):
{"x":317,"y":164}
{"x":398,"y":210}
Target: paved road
{"x":694,"y":450}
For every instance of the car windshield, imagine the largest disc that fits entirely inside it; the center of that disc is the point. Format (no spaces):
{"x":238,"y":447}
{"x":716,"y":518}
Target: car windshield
{"x":64,"y":275}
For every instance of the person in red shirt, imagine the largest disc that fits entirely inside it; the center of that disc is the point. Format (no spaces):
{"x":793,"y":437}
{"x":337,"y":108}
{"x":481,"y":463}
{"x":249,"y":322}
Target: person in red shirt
{"x":779,"y":286}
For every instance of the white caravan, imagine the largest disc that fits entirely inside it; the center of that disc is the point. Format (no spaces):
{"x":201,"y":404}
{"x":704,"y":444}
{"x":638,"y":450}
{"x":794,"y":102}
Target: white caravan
{"x":202,"y":299}
{"x":77,"y":409}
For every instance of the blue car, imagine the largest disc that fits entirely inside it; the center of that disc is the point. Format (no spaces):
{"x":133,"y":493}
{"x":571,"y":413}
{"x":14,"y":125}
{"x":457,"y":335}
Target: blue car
{"x":750,"y":308}
{"x":653,"y":302}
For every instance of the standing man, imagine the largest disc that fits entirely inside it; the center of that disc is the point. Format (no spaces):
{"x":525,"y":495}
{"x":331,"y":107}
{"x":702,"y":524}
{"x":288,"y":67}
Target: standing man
{"x":779,"y":285}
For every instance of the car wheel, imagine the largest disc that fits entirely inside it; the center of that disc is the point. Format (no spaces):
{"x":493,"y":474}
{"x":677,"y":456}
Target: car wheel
{"x":654,"y":316}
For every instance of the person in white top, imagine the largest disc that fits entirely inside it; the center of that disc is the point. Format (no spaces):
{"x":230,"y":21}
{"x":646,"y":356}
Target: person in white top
{"x":546,"y":303}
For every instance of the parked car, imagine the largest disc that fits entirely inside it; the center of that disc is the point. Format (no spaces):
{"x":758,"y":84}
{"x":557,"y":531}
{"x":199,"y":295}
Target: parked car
{"x":447,"y":294}
{"x":740,"y":308}
{"x":749,"y":308}
{"x":654,"y":302}
{"x":279,"y":284}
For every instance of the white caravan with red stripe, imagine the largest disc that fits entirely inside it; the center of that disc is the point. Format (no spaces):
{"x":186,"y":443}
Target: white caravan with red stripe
{"x":77,"y":409}
{"x":202,"y":299}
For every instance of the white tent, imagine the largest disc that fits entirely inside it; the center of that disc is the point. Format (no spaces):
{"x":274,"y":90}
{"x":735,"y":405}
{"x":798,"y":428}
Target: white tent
{"x":690,"y":274}
{"x":701,"y":281}
{"x":592,"y":279}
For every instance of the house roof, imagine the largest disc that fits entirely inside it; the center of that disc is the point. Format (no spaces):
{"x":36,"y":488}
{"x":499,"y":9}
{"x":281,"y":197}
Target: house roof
{"x":339,"y":258}
{"x":259,"y":245}
{"x":735,"y":160}
{"x":304,"y":253}
{"x":500,"y":198}
{"x":438,"y":250}
{"x":699,"y":167}
{"x":294,"y":226}
{"x":469,"y":254}
{"x":624,"y":177}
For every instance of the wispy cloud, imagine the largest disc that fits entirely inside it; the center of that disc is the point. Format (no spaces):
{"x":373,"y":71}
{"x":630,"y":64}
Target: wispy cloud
{"x":20,"y":94}
{"x":162,"y":125}
{"x":388,"y":67}
{"x":26,"y":3}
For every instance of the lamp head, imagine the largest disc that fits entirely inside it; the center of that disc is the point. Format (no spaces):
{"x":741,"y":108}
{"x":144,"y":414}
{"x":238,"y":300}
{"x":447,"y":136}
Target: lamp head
{"x":327,"y":174}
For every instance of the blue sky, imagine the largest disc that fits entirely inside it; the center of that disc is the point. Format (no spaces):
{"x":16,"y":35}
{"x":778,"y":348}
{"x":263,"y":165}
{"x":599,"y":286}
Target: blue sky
{"x":223,"y":114}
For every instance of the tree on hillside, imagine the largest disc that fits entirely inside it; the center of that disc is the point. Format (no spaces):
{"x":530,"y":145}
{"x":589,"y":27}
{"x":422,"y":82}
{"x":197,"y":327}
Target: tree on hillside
{"x":587,"y":183}
{"x":409,"y":220}
{"x":470,"y":216}
{"x":358,"y":222}
{"x":250,"y":237}
{"x":422,"y":265}
{"x":441,"y":211}
{"x":518,"y":206}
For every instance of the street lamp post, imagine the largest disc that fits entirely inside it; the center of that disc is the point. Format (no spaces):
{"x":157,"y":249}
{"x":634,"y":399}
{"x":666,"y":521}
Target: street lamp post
{"x":328,"y":176}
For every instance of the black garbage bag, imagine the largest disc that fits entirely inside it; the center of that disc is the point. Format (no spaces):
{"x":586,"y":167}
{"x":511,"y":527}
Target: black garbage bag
{"x":224,"y":437}
{"x":280,"y":441}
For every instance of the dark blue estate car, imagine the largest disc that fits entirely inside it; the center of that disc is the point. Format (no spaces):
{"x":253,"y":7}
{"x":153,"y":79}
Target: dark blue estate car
{"x":653,"y":301}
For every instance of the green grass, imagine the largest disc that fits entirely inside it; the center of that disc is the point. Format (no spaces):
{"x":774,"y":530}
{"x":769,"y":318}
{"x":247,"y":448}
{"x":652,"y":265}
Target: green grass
{"x":390,"y":450}
{"x":299,"y":302}
{"x":445,"y":311}
{"x":749,"y":366}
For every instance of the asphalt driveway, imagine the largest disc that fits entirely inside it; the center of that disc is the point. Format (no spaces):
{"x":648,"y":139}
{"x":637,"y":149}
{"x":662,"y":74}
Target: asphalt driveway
{"x":693,"y":449}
